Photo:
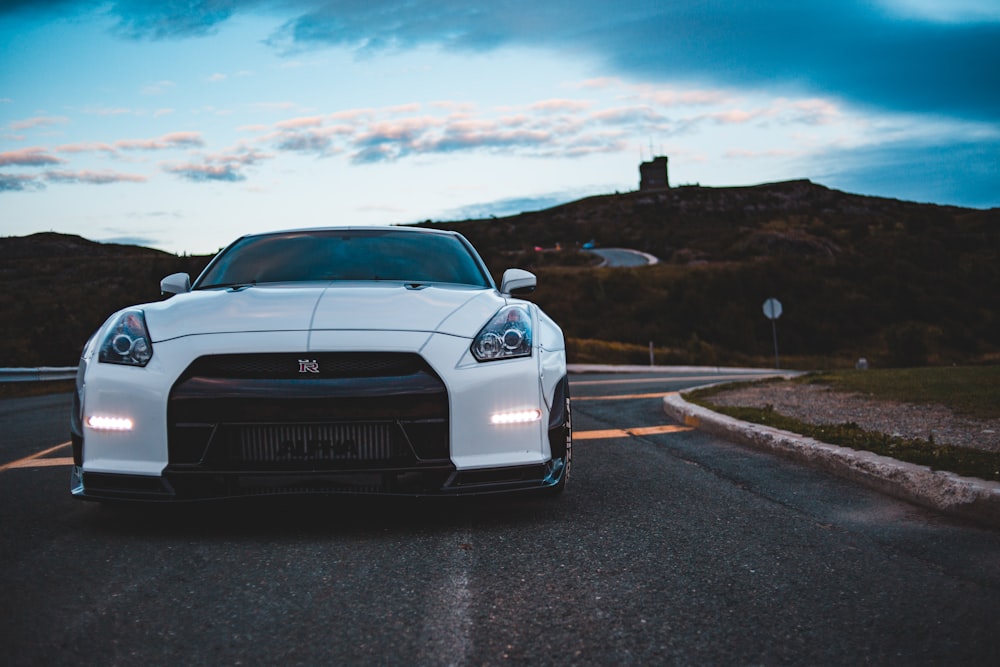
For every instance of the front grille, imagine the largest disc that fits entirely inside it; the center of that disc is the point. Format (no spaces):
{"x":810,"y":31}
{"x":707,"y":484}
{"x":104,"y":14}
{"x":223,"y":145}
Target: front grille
{"x":257,"y":412}
{"x":307,"y":443}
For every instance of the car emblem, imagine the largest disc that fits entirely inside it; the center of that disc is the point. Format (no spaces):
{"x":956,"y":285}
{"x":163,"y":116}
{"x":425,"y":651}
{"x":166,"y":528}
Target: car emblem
{"x":308,"y":366}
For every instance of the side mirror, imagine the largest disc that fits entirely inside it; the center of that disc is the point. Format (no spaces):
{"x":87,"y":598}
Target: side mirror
{"x":517,"y":282}
{"x":175,"y":283}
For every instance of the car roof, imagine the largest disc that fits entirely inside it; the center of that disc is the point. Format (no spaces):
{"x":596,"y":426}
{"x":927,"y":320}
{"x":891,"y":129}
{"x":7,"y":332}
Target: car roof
{"x":342,"y":228}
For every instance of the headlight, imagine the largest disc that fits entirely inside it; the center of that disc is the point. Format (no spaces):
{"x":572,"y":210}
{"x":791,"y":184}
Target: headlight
{"x":127,"y":341}
{"x":506,"y":336}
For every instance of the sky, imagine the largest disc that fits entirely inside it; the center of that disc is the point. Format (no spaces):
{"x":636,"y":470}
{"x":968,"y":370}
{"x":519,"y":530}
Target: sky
{"x":183,"y":124}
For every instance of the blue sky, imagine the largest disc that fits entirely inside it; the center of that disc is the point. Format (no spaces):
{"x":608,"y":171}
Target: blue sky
{"x":181,"y":124}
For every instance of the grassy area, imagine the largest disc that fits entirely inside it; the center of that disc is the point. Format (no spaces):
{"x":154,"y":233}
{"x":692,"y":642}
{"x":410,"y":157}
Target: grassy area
{"x":970,"y":390}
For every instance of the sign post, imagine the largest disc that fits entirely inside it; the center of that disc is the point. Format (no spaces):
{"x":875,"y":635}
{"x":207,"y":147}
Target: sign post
{"x":772,"y":311}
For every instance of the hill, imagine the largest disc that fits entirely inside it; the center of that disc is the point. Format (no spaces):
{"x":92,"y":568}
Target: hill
{"x":897,"y":282}
{"x":57,"y":289}
{"x":900,"y":283}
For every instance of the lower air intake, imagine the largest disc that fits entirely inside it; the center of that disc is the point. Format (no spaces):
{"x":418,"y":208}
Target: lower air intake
{"x":298,"y":443}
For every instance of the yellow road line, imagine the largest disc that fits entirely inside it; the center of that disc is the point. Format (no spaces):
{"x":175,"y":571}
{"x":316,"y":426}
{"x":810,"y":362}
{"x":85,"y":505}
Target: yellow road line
{"x":40,"y":463}
{"x":623,"y":396}
{"x":36,"y":460}
{"x":629,"y":432}
{"x":699,"y":378}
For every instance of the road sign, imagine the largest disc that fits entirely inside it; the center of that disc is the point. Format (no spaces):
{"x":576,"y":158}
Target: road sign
{"x":772,"y":309}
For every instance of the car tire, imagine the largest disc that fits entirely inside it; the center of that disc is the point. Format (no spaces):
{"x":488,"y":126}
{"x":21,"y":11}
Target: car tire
{"x":567,"y":449}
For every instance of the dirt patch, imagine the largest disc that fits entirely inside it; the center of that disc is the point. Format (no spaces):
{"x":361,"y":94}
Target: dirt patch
{"x":816,"y":404}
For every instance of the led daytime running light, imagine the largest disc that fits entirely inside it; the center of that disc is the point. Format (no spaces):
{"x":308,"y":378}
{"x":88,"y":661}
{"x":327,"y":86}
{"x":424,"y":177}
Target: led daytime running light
{"x":518,"y":417}
{"x":101,"y":423}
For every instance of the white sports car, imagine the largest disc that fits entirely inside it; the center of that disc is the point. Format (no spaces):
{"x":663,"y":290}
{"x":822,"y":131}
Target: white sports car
{"x":344,"y":360}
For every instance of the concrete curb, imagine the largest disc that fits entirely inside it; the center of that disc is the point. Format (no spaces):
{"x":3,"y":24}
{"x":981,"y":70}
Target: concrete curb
{"x":947,"y":492}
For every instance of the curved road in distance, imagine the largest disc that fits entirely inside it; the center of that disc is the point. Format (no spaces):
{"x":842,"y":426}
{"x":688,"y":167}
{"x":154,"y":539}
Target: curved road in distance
{"x":623,"y":257}
{"x":669,"y":546}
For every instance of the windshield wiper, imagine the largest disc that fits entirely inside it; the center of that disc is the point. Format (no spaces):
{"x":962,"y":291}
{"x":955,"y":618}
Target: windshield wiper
{"x":232,"y":287}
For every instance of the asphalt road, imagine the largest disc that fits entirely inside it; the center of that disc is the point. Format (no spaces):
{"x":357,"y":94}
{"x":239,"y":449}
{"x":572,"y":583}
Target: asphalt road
{"x":622,"y":257}
{"x":668,"y":547}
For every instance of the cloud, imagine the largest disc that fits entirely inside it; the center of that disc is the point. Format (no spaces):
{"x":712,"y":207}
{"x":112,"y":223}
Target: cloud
{"x":851,"y":49}
{"x":391,"y":139}
{"x":201,"y":173}
{"x":841,"y":48}
{"x":40,"y":121}
{"x":306,"y":142}
{"x":28,"y":157}
{"x":556,"y":106}
{"x":948,"y":12}
{"x":307,"y":135}
{"x":591,"y":144}
{"x":296,"y":123}
{"x":631,"y":115}
{"x":18,"y":183}
{"x":548,"y":128}
{"x":167,"y":141}
{"x":34,"y":6}
{"x":670,"y":97}
{"x":87,"y":147}
{"x":171,"y":19}
{"x":243,"y":156}
{"x":812,"y":111}
{"x":741,"y":153}
{"x":92,"y":177}
{"x":943,"y":169}
{"x":226,"y":166}
{"x":900,"y":55}
{"x":457,"y":139}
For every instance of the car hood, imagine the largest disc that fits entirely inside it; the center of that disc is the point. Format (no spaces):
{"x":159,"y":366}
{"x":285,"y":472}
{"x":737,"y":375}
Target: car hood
{"x":458,"y":311}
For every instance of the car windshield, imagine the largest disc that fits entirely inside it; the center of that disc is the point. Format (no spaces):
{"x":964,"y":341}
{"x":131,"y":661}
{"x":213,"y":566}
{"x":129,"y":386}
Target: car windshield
{"x":376,"y":254}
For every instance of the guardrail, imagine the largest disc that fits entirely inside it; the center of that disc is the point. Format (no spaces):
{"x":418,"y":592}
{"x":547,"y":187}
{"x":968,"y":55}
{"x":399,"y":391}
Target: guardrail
{"x":41,"y":374}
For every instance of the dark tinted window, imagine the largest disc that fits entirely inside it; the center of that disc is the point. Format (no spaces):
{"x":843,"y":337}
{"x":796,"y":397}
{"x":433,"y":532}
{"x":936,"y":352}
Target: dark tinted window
{"x":376,"y":254}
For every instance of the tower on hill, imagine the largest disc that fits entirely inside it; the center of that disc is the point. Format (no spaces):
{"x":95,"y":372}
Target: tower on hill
{"x":653,"y":174}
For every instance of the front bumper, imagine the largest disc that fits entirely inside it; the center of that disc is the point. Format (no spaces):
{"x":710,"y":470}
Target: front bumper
{"x":219,"y":434}
{"x":193,"y":486}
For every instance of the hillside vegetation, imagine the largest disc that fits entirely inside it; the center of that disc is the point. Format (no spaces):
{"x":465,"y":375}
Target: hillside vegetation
{"x":56,"y":290}
{"x":900,"y":283}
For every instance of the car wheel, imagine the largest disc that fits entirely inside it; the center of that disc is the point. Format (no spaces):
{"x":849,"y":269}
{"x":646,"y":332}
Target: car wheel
{"x":565,"y":438}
